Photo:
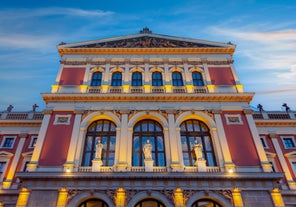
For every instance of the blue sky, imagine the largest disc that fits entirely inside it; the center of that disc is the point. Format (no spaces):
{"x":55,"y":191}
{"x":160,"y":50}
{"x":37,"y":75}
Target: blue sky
{"x":264,"y":32}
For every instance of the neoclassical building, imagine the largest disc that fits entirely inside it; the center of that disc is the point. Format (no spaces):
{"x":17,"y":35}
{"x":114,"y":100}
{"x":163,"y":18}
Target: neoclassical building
{"x":147,"y":120}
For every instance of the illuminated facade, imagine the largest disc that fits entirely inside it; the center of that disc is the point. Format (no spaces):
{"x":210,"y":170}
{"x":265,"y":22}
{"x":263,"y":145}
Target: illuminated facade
{"x":147,"y":120}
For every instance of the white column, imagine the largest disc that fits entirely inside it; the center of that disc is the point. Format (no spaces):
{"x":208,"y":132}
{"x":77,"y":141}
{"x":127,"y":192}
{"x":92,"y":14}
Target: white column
{"x":69,"y":165}
{"x":86,"y":79}
{"x":207,"y":74}
{"x":217,"y":146}
{"x":122,"y":141}
{"x":146,"y":74}
{"x":167,"y":144}
{"x":126,"y":74}
{"x":175,"y":159}
{"x":9,"y":178}
{"x":40,"y":140}
{"x":188,"y":77}
{"x":58,"y":78}
{"x":283,"y":162}
{"x":223,"y":143}
{"x":260,"y":150}
{"x":80,"y":144}
{"x":234,"y":74}
{"x":106,"y":77}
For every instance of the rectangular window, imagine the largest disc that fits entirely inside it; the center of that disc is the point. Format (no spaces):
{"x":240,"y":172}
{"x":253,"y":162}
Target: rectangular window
{"x":33,"y":142}
{"x":263,"y":142}
{"x":2,"y":166}
{"x":288,"y":142}
{"x":272,"y":166}
{"x":8,"y":142}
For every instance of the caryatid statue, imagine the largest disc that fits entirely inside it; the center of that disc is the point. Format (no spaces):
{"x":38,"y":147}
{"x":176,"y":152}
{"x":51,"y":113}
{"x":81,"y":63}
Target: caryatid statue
{"x":99,"y":149}
{"x":147,"y":150}
{"x":198,"y":151}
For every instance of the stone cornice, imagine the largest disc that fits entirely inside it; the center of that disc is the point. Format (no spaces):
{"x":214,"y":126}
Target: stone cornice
{"x":110,"y":51}
{"x":147,"y":97}
{"x":274,"y":123}
{"x":169,"y":176}
{"x":21,"y":123}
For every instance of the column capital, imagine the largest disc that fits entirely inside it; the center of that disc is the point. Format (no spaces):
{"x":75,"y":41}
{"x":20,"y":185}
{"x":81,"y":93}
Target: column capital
{"x":248,"y":111}
{"x":47,"y":111}
{"x":78,"y":111}
{"x":23,"y":135}
{"x":216,"y":111}
{"x":273,"y":135}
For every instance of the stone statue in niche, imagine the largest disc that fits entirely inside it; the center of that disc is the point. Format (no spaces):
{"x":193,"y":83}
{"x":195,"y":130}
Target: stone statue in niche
{"x":197,"y":148}
{"x":147,"y":150}
{"x":99,"y":150}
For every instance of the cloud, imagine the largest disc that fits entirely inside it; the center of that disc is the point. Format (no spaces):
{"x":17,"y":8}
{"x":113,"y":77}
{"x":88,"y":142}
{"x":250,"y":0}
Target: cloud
{"x":51,"y":11}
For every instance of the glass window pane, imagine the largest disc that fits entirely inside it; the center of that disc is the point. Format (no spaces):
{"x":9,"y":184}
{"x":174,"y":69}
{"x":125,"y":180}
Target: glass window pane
{"x":161,"y":159}
{"x":106,"y":126}
{"x":207,"y":143}
{"x":151,"y":127}
{"x":160,"y":144}
{"x":210,"y":159}
{"x":196,"y":126}
{"x":189,"y":126}
{"x":186,"y":159}
{"x":112,"y":143}
{"x":88,"y":143}
{"x":136,"y":143}
{"x":184,"y":143}
{"x":87,"y":159}
{"x":144,"y":127}
{"x":111,"y":159}
{"x":136,"y":159}
{"x":99,"y":126}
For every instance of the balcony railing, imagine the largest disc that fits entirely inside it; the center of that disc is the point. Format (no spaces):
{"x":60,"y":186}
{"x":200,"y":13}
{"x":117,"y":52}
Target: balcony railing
{"x":275,"y":115}
{"x":115,"y":89}
{"x":21,"y":115}
{"x":136,"y":169}
{"x":200,"y":89}
{"x":136,"y":89}
{"x":157,"y":89}
{"x":94,"y":89}
{"x":179,"y":89}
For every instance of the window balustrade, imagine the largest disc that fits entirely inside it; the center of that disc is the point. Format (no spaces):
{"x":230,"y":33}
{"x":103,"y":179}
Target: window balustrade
{"x":136,"y":89}
{"x":94,"y":89}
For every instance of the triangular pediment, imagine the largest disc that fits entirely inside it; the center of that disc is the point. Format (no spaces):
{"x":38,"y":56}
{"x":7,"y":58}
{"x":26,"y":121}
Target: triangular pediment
{"x":147,"y":40}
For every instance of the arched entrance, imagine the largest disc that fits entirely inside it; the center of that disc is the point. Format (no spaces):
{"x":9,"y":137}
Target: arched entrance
{"x":93,"y":202}
{"x":149,"y":202}
{"x":206,"y":203}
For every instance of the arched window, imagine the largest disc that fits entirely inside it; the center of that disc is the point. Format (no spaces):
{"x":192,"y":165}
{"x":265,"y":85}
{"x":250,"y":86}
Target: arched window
{"x":192,"y":132}
{"x":205,"y":202}
{"x":149,"y":203}
{"x":157,"y":79}
{"x":93,"y":202}
{"x":137,"y":79}
{"x":177,"y":79}
{"x":103,"y":131}
{"x":152,"y":131}
{"x":116,"y":79}
{"x":197,"y":79}
{"x":96,"y":79}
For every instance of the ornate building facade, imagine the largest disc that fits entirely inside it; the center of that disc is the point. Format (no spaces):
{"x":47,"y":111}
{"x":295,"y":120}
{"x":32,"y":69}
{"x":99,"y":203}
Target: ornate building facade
{"x":147,"y":120}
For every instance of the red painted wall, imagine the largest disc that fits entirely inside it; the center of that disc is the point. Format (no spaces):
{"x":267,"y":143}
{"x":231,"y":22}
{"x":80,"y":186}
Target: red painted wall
{"x":221,"y":76}
{"x":240,"y":142}
{"x":57,"y":141}
{"x":72,"y":76}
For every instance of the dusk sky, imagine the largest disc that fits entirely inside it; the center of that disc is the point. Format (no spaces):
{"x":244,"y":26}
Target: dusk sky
{"x":264,"y":32}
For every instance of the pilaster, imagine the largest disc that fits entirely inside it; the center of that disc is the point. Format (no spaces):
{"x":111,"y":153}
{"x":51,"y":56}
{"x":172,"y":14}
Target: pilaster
{"x":228,"y":164}
{"x":255,"y":136}
{"x":286,"y":170}
{"x":23,"y":198}
{"x":9,"y":179}
{"x":237,"y":198}
{"x":179,"y":198}
{"x":69,"y":165}
{"x":39,"y":145}
{"x":277,"y":198}
{"x":175,"y":159}
{"x":123,"y":141}
{"x":62,"y":198}
{"x":120,"y":197}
